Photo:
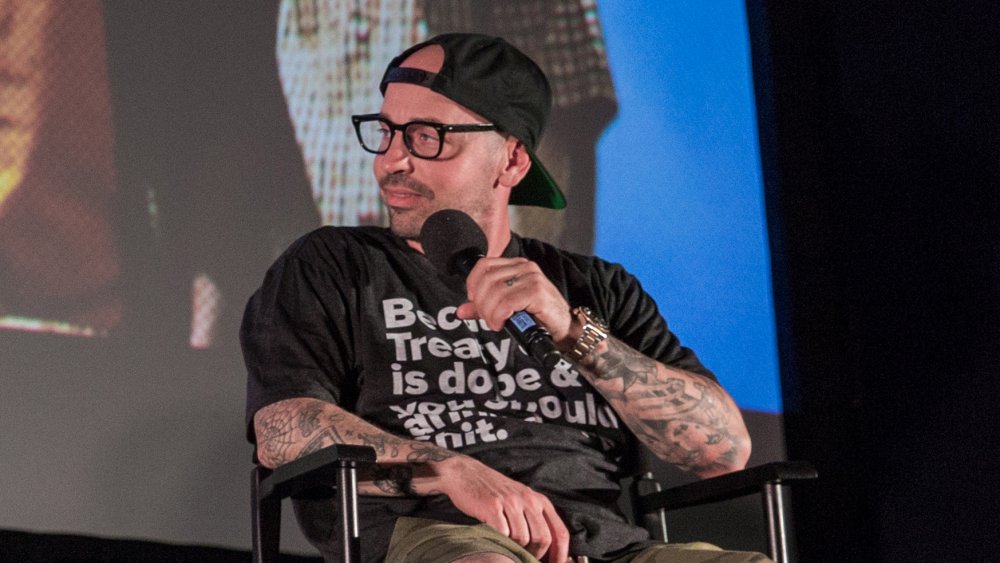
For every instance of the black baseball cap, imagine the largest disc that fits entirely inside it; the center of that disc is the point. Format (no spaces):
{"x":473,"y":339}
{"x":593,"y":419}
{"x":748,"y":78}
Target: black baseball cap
{"x":492,"y":78}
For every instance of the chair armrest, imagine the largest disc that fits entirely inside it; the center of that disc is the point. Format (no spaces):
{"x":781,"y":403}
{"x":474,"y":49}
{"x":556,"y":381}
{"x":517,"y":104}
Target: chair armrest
{"x":728,"y":486}
{"x":319,"y":468}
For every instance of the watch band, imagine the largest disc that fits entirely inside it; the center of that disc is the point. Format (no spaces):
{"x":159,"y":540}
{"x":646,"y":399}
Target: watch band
{"x":594,"y":332}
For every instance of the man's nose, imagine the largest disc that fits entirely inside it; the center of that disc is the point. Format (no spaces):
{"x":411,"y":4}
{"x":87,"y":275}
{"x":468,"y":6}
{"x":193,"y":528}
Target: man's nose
{"x":396,"y":157}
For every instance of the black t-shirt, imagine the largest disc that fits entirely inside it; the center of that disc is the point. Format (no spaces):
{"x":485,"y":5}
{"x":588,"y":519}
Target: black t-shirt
{"x":356,"y":317}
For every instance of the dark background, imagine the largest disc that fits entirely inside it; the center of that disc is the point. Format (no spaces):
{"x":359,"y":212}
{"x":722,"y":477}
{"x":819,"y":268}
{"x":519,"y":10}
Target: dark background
{"x":879,"y":135}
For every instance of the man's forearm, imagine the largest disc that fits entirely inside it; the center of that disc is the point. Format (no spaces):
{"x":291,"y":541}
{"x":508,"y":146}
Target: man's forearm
{"x":684,"y":418}
{"x":290,"y":429}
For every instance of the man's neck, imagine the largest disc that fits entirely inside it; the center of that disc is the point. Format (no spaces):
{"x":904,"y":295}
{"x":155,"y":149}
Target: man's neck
{"x":498,"y":243}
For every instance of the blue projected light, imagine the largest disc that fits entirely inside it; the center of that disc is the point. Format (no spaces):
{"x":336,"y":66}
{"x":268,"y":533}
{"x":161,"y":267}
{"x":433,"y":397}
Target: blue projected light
{"x":680,"y":200}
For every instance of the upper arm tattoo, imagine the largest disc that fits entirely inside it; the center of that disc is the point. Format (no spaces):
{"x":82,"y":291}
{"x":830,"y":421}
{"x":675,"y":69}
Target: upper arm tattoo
{"x":274,"y":428}
{"x":282,"y":425}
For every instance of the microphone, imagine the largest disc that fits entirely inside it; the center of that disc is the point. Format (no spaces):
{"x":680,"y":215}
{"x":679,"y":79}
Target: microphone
{"x":453,"y":242}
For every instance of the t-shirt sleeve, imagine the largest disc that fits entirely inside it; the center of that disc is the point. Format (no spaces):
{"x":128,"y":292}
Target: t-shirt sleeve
{"x":295,"y":338}
{"x":634,"y":318}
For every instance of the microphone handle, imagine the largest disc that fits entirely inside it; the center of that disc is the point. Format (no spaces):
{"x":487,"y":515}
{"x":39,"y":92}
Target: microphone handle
{"x":534,"y":338}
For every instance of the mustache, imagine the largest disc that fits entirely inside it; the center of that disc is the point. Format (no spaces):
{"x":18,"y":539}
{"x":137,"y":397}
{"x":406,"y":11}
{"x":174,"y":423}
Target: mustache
{"x":403,"y":181}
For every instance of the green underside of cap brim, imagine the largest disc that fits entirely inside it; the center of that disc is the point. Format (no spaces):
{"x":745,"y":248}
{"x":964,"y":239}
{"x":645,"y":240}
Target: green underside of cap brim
{"x":538,"y":188}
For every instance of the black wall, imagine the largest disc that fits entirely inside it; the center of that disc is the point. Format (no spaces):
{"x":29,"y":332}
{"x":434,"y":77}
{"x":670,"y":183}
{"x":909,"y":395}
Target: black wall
{"x":879,"y":128}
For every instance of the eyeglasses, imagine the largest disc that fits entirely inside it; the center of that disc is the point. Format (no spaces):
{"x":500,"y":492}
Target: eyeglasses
{"x":424,"y":139}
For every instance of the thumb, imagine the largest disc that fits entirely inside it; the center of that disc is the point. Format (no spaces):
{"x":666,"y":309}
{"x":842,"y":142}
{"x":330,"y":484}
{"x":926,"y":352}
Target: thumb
{"x":466,"y":311}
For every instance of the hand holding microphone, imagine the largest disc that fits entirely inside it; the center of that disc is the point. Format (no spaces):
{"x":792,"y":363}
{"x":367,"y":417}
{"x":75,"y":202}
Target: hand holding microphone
{"x":515,"y":294}
{"x":504,"y":292}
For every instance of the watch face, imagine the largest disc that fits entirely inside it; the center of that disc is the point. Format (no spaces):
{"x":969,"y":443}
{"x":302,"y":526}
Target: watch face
{"x":591,"y":318}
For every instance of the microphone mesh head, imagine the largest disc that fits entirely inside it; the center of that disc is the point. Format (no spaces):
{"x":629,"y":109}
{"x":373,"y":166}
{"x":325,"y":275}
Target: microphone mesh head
{"x":452,"y":241}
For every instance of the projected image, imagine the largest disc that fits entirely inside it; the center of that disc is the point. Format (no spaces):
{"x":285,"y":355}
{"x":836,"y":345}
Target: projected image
{"x":331,"y":56}
{"x":162,"y":156}
{"x":148,"y":172}
{"x":680,"y":192}
{"x":59,"y":268}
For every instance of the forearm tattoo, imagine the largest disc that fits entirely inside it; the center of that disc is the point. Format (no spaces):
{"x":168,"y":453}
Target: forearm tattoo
{"x":291,"y":429}
{"x":383,"y":444}
{"x":422,"y":452}
{"x":621,"y":362}
{"x":681,"y":417}
{"x":394,"y":480}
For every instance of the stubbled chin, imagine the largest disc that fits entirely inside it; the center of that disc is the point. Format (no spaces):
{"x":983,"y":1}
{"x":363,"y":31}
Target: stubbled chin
{"x":405,"y":223}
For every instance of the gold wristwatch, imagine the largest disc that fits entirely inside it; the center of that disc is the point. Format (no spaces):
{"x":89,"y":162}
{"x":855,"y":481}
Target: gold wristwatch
{"x":594,"y":331}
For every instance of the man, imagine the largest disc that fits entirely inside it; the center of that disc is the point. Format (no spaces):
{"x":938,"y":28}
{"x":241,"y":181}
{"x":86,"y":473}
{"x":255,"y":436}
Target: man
{"x":356,"y":338}
{"x":328,"y":67}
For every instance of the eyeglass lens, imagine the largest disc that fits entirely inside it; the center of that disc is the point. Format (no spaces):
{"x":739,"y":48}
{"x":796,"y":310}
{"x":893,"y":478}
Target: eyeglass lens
{"x":422,"y":139}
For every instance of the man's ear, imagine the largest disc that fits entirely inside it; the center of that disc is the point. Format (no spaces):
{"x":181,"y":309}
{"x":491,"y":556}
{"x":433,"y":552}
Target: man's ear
{"x":517,"y":163}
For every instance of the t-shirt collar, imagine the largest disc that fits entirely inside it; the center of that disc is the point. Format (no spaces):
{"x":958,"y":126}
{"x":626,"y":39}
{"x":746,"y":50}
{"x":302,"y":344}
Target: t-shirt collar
{"x":513,"y":249}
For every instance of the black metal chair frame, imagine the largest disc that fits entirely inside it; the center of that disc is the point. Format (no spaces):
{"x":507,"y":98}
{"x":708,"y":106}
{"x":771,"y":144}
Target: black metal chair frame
{"x":650,"y":502}
{"x":335,"y":467}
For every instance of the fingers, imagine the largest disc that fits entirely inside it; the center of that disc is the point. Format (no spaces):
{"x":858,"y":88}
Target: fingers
{"x":512,"y":508}
{"x":499,"y":287}
{"x":521,"y":530}
{"x":518,"y":516}
{"x":467,"y":311}
{"x":497,"y":520}
{"x":494,"y":268}
{"x":559,"y":547}
{"x":535,"y":525}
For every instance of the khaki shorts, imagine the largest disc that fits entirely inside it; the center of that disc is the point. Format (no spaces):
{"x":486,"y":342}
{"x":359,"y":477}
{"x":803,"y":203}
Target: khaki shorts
{"x":418,"y":540}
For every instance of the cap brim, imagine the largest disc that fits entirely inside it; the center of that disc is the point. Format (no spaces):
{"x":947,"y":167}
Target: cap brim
{"x":538,"y":188}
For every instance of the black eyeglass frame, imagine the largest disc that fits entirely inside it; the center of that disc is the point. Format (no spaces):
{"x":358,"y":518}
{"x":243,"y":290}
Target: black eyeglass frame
{"x":441,"y":129}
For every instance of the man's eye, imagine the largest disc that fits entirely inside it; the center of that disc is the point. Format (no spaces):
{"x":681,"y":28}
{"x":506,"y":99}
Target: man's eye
{"x":424,"y":135}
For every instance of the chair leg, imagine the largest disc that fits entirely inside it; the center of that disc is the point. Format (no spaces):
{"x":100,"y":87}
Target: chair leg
{"x":265,"y":523}
{"x":654,"y":521}
{"x":347,"y":487}
{"x":777,"y":533}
